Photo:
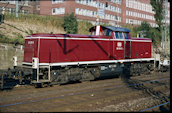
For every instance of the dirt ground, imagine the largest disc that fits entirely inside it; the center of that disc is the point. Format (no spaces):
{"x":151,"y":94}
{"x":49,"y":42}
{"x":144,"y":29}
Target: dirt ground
{"x":114,"y":95}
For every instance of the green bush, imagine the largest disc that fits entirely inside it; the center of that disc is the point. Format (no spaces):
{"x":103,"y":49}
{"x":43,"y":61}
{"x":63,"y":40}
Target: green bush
{"x":133,"y":29}
{"x":4,"y":39}
{"x":149,"y":32}
{"x":83,"y":27}
{"x":19,"y":39}
{"x":16,"y":40}
{"x":70,"y":24}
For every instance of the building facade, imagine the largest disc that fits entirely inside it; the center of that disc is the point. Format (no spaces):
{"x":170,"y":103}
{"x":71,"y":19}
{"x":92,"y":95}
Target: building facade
{"x":24,"y":6}
{"x":117,"y":12}
{"x":114,"y":12}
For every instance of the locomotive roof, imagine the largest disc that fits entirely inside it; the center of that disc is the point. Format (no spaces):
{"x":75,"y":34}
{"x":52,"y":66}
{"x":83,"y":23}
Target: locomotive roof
{"x":117,"y":28}
{"x":113,"y":28}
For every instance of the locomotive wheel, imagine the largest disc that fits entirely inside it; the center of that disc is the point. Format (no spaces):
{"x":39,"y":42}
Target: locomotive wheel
{"x":39,"y":85}
{"x":126,"y":72}
{"x":87,"y":75}
{"x":36,"y":85}
{"x":50,"y":85}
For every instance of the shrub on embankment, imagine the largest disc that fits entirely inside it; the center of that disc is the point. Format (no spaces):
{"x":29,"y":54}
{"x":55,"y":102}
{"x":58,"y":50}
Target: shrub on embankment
{"x":35,"y":24}
{"x":17,"y":40}
{"x":36,"y":19}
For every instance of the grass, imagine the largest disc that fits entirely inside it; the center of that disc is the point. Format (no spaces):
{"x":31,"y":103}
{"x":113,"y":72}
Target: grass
{"x":47,"y":21}
{"x":83,"y":27}
{"x":19,"y":39}
{"x":36,"y":19}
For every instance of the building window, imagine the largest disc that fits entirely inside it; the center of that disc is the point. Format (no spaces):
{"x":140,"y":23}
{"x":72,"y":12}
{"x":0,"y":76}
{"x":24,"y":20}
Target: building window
{"x":57,"y":1}
{"x":38,"y":7}
{"x":53,"y":1}
{"x":56,"y":11}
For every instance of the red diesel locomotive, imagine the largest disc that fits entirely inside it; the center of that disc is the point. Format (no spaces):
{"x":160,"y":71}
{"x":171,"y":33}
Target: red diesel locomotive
{"x":108,"y":51}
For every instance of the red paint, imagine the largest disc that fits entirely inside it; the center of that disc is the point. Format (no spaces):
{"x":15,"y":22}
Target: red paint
{"x":70,"y":50}
{"x":30,"y":50}
{"x":56,"y":48}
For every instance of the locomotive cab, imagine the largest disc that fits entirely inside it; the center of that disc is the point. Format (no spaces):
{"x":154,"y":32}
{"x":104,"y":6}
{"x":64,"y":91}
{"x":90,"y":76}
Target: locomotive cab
{"x":109,"y":31}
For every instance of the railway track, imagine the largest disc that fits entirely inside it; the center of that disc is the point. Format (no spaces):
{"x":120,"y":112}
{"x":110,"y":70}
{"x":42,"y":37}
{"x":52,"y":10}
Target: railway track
{"x":76,"y":95}
{"x":22,"y":90}
{"x":154,"y":107}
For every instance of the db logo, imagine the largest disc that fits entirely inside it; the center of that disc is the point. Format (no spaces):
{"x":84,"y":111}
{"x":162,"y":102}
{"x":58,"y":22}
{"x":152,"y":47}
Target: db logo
{"x":119,"y":46}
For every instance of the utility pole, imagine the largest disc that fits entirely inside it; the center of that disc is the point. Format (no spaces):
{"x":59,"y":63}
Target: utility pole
{"x":164,"y":27}
{"x":16,"y":8}
{"x":98,"y":16}
{"x":2,"y":13}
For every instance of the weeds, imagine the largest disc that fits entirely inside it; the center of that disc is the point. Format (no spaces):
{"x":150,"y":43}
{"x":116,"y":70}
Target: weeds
{"x":47,"y":21}
{"x":29,"y":32}
{"x":18,"y":39}
{"x":36,"y":19}
{"x":83,"y":27}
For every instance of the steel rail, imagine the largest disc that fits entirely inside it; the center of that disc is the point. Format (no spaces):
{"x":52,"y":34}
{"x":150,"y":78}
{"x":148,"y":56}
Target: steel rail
{"x":72,"y":94}
{"x":155,"y":106}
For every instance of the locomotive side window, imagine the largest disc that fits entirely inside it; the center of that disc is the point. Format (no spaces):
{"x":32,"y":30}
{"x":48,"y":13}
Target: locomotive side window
{"x":125,"y":35}
{"x":107,"y":32}
{"x":116,"y":35}
{"x":120,"y":35}
{"x":93,"y":33}
{"x":104,"y":32}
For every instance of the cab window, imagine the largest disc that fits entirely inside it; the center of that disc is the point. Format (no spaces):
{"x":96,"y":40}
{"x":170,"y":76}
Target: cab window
{"x":93,"y":33}
{"x":120,"y":35}
{"x":116,"y":35}
{"x":107,"y":32}
{"x":126,"y":35}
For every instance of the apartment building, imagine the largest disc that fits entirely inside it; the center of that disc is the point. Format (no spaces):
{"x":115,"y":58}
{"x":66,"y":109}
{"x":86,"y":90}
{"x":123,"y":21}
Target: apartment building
{"x":24,"y":6}
{"x":84,"y":9}
{"x":117,"y":12}
{"x":139,"y":10}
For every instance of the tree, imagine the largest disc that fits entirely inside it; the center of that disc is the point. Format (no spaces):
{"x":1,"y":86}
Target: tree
{"x":155,"y":35}
{"x":150,"y":32}
{"x":70,"y":24}
{"x":145,"y":27}
{"x":157,"y":7}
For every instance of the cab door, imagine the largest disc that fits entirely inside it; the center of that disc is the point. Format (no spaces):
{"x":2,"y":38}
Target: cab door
{"x":119,"y":45}
{"x":127,"y":47}
{"x":30,"y":50}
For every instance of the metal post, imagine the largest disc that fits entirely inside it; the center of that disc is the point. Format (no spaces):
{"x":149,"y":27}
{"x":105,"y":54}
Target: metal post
{"x":0,"y":16}
{"x":163,"y":28}
{"x":49,"y":76}
{"x":37,"y":79}
{"x":98,"y":17}
{"x":16,"y":8}
{"x":2,"y":82}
